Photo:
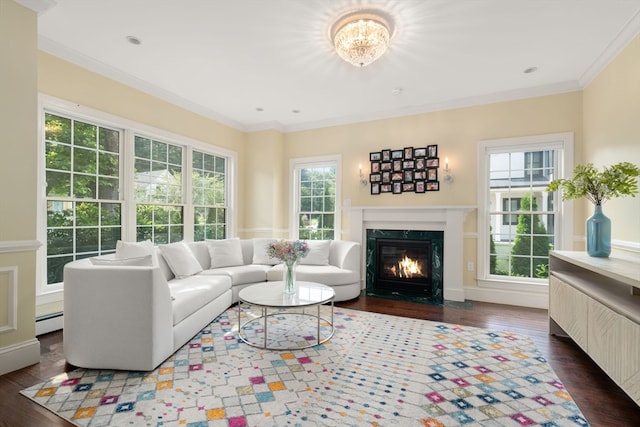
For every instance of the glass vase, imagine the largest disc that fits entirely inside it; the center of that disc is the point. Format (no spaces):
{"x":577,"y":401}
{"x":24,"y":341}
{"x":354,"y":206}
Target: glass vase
{"x":598,"y":234}
{"x":289,"y":277}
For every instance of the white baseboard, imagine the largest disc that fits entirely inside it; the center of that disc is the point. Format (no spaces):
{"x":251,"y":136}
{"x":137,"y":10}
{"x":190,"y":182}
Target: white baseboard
{"x":20,"y":355}
{"x":508,"y":297}
{"x":54,"y":323}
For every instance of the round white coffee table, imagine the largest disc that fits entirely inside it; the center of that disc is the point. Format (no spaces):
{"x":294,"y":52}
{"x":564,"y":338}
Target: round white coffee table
{"x":309,"y":297}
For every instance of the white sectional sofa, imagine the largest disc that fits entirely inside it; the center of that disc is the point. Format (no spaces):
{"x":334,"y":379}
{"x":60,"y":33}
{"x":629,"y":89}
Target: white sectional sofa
{"x":133,"y":309}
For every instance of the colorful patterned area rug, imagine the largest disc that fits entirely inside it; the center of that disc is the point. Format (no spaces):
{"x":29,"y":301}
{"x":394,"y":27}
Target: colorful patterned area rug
{"x":376,"y":370}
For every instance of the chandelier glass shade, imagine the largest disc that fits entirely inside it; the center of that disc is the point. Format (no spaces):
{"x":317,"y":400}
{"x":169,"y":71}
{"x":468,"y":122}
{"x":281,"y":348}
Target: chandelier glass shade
{"x":361,"y":40}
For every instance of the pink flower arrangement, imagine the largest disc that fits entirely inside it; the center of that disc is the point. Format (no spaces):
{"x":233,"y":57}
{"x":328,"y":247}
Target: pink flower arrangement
{"x":288,"y":251}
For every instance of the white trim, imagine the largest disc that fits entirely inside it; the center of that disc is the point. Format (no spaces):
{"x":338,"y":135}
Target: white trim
{"x":18,"y":356}
{"x":312,"y":162}
{"x":11,"y":298}
{"x":51,"y":324}
{"x":617,"y":45}
{"x":508,"y":296}
{"x":12,"y":246}
{"x":39,"y":6}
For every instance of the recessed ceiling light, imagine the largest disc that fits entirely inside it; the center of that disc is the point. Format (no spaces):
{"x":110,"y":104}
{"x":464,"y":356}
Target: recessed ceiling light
{"x":530,"y":70}
{"x":295,"y":111}
{"x":134,"y":40}
{"x":259,"y":109}
{"x":396,"y":91}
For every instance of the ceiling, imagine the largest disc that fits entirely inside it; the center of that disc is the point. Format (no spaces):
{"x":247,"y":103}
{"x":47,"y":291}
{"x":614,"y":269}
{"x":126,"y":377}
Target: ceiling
{"x":256,"y":65}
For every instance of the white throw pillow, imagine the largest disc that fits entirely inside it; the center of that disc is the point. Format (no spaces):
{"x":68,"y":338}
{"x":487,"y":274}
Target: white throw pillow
{"x":318,"y":253}
{"x":225,"y":253}
{"x":260,"y":255}
{"x":141,"y":261}
{"x":181,"y":260}
{"x":125,"y":250}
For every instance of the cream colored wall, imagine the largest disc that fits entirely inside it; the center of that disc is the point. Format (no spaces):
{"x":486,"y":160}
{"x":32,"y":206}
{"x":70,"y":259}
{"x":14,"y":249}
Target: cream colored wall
{"x":456,"y":132}
{"x":611,"y":112}
{"x":18,"y":109}
{"x":267,"y":201}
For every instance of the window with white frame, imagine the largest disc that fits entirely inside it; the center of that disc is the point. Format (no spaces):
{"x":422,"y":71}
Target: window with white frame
{"x":88,"y":163}
{"x":158,"y":191}
{"x":518,"y":220}
{"x":83,"y":207}
{"x":315,"y":193}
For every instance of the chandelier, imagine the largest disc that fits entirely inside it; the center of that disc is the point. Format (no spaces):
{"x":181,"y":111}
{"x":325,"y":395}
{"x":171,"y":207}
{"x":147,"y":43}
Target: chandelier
{"x":360,"y":39}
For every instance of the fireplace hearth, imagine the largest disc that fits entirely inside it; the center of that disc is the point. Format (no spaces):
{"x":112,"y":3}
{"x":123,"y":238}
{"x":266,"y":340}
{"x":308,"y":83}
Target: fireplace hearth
{"x":405,"y":264}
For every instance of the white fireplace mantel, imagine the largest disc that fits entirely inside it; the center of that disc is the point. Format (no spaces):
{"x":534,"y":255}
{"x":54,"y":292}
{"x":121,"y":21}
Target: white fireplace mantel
{"x":449,"y":219}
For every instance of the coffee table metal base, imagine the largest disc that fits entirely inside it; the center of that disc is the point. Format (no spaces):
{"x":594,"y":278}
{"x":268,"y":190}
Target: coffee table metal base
{"x":265,"y":315}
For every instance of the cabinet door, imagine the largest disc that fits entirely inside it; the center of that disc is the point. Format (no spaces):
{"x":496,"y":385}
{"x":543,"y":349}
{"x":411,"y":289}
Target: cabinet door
{"x":614,"y":344}
{"x":568,"y":308}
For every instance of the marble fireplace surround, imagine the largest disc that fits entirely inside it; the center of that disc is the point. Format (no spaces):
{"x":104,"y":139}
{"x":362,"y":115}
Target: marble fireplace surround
{"x":449,"y":219}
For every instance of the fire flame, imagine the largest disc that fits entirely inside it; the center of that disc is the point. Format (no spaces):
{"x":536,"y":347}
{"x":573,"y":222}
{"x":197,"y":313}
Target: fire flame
{"x":407,"y":268}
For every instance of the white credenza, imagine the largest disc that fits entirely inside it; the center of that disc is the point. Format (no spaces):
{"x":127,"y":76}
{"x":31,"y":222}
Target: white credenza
{"x":596,"y":302}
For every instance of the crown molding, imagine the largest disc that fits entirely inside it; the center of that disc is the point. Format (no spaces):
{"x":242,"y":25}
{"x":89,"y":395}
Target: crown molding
{"x":628,"y":32}
{"x":38,"y":6}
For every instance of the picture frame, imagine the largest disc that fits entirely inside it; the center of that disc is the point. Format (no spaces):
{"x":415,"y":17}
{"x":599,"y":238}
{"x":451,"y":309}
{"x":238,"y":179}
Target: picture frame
{"x":433,"y":186}
{"x":432,"y":151}
{"x":432,"y":162}
{"x":375,"y":188}
{"x":405,"y":170}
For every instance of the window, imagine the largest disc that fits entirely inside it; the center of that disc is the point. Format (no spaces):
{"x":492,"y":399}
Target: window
{"x":518,"y":219}
{"x":107,"y":179}
{"x":209,"y":196}
{"x":83,"y":210}
{"x":315,"y":192}
{"x":158,"y":191}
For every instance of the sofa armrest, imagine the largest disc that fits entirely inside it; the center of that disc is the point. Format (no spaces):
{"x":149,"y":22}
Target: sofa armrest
{"x":116,"y":317}
{"x":345,"y":254}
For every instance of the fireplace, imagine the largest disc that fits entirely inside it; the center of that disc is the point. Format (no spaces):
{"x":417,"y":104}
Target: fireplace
{"x":405,"y":264}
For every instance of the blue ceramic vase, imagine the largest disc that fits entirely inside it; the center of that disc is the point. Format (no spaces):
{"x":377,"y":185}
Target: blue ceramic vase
{"x":598,"y":234}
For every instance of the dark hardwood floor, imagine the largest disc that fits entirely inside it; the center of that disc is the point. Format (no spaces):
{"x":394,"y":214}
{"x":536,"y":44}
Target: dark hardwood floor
{"x":601,"y":401}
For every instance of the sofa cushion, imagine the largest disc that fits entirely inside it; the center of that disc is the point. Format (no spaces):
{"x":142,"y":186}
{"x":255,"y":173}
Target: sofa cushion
{"x":318,"y":253}
{"x":225,"y":252}
{"x":260,"y":255}
{"x":241,"y":275}
{"x":201,"y":252}
{"x":326,"y":274}
{"x":140,"y":261}
{"x":192,"y":293}
{"x":181,"y":260}
{"x":125,"y":250}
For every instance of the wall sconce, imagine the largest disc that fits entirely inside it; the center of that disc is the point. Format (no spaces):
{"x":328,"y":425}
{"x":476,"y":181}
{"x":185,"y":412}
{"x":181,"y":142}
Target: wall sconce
{"x":447,"y":172}
{"x":363,"y":181}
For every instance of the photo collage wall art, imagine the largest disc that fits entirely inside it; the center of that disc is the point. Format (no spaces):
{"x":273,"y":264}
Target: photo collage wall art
{"x":408,"y":170}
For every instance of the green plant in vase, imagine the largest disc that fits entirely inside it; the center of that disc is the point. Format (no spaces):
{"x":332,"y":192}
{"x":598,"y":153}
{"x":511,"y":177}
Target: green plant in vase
{"x":596,"y":186}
